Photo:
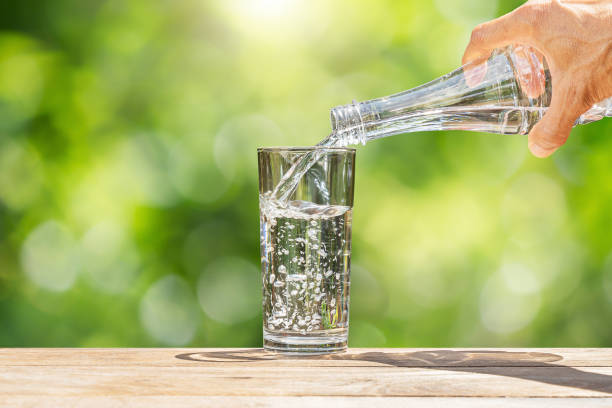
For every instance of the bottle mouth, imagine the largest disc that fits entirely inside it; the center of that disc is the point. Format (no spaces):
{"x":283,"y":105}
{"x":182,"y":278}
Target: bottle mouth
{"x":347,"y":122}
{"x":335,"y":117}
{"x":344,"y":116}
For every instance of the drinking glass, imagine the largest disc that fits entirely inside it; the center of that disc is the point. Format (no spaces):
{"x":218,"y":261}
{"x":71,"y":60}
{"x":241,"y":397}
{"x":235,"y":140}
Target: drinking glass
{"x":306,"y":249}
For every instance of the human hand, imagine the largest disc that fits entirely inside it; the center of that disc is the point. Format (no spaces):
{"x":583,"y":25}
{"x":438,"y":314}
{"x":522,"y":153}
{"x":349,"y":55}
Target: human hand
{"x":575,"y":36}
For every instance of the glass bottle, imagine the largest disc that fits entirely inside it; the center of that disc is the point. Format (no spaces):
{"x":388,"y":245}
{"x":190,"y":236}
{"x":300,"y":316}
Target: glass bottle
{"x":502,"y":101}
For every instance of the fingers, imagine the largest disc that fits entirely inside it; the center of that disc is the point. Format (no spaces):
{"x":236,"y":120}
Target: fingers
{"x":505,"y":30}
{"x":554,"y":128}
{"x":529,"y":65}
{"x":486,"y":37}
{"x":537,"y":85}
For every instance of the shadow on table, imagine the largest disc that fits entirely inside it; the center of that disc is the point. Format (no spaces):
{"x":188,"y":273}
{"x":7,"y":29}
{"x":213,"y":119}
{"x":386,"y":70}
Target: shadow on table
{"x":517,"y":364}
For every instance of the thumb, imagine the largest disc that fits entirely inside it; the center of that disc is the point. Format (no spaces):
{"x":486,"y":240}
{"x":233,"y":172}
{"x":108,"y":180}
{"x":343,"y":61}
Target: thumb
{"x":552,"y":131}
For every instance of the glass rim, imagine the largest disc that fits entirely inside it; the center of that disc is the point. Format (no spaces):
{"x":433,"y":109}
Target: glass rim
{"x":277,"y":149}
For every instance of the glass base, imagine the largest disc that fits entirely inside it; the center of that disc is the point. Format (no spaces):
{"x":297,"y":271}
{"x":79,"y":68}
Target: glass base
{"x":318,"y":343}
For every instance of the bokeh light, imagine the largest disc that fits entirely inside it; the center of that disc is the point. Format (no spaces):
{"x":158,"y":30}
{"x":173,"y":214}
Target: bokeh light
{"x":533,"y":209}
{"x":225,"y":290}
{"x":109,"y":257}
{"x":50,"y":256}
{"x":503,"y":308}
{"x":19,"y":162}
{"x":190,"y":163}
{"x":519,"y":279}
{"x":169,"y":312}
{"x":21,"y":78}
{"x":241,"y":136}
{"x":128,"y":179}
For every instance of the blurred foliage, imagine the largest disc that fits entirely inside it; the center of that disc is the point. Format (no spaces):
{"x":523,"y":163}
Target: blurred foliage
{"x":128,"y":179}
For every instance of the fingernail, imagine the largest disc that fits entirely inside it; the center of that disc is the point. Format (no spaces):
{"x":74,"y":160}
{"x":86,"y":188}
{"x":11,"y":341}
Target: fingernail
{"x":539,"y":151}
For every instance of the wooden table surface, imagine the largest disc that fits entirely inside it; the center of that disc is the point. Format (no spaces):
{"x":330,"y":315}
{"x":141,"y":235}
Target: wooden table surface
{"x":357,"y":378}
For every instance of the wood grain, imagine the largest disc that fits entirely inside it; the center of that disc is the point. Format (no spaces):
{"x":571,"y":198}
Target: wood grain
{"x":308,"y":402}
{"x":251,"y":377}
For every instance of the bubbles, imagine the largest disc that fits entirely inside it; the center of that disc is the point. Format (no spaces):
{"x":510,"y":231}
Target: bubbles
{"x":299,"y":277}
{"x":110,"y":259}
{"x":50,"y":257}
{"x":316,"y":282}
{"x":228,"y":290}
{"x":533,"y":209}
{"x":169,"y":312}
{"x":504,"y":310}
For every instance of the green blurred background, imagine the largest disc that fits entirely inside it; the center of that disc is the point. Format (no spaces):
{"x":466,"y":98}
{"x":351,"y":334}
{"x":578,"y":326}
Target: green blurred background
{"x":128,"y":179}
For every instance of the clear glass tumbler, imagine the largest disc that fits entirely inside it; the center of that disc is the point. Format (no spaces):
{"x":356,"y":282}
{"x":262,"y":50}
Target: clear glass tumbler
{"x":306,"y":250}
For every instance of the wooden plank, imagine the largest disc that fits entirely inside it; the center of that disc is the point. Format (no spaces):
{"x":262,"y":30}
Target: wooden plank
{"x":485,"y":357}
{"x":250,"y":377}
{"x":294,"y":381}
{"x":306,"y":402}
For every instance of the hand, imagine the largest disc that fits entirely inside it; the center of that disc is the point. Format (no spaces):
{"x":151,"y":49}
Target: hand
{"x":575,"y":36}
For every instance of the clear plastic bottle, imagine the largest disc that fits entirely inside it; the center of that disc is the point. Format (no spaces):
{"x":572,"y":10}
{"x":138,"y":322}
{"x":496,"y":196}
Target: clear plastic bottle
{"x":499,"y":103}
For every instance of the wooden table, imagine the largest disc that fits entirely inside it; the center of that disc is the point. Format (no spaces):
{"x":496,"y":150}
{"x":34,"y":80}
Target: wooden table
{"x":358,"y":378}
